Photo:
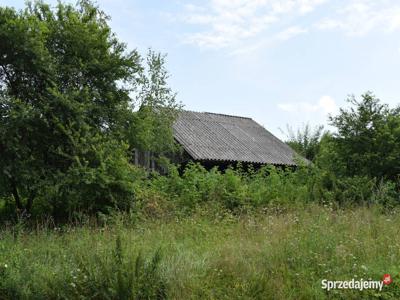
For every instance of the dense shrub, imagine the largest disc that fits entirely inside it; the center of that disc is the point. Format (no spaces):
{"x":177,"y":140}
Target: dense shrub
{"x":163,"y":196}
{"x":235,"y":189}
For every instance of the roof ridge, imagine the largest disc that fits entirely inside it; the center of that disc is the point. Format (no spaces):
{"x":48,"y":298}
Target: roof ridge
{"x":218,"y":114}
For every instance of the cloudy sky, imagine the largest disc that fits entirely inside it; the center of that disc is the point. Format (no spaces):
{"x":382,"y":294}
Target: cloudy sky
{"x":277,"y":61}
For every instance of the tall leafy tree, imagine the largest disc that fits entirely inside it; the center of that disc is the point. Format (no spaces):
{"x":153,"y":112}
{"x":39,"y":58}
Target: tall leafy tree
{"x":67,"y":88}
{"x":306,"y":140}
{"x":367,"y":141}
{"x":156,"y":107}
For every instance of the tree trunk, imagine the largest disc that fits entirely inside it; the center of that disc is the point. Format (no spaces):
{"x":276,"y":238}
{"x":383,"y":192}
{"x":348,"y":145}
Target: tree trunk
{"x":16,"y":196}
{"x":30,"y":202}
{"x":18,"y":201}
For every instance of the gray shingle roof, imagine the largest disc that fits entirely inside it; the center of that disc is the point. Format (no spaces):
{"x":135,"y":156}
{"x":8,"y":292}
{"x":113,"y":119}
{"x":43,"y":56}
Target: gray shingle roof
{"x":210,"y":136}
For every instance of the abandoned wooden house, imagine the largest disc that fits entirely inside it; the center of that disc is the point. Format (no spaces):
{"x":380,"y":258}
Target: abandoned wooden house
{"x":222,"y":140}
{"x":217,"y":139}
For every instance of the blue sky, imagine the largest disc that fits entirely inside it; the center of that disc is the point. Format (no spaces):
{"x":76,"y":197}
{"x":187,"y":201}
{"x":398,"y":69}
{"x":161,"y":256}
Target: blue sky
{"x":277,"y":61}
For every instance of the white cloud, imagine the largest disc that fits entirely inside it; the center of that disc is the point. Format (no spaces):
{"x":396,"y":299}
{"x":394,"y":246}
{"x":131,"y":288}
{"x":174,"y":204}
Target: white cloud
{"x":325,"y":105}
{"x":283,"y":35}
{"x":229,"y":22}
{"x":291,"y":32}
{"x":288,"y":107}
{"x":360,"y":17}
{"x":245,"y":25}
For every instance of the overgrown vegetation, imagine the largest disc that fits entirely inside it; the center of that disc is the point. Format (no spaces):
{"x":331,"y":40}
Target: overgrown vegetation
{"x":332,"y":177}
{"x":240,"y":192}
{"x":79,"y":220}
{"x":68,"y":90}
{"x":211,"y":255}
{"x":68,"y":129}
{"x":306,"y":140}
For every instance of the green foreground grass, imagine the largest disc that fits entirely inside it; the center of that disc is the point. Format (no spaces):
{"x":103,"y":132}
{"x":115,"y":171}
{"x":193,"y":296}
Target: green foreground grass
{"x":281,"y":255}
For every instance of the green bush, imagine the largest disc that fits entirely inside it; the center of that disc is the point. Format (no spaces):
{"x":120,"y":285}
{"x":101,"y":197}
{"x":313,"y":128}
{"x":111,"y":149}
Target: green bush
{"x":269,"y":186}
{"x":162,"y":196}
{"x":386,"y":194}
{"x":234,"y":189}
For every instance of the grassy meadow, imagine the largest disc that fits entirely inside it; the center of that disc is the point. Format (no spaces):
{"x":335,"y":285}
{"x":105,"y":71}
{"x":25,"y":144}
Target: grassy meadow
{"x":208,"y":255}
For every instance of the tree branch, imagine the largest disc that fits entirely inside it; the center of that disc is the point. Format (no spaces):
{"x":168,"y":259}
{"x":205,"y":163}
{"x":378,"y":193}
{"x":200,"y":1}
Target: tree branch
{"x":30,"y":202}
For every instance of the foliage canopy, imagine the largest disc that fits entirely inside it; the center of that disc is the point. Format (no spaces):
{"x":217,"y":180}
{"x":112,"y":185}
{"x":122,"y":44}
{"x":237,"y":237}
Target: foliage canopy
{"x":68,"y":89}
{"x":367,"y":141}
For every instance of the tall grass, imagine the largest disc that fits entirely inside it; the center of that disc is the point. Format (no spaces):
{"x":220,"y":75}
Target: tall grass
{"x":210,"y":255}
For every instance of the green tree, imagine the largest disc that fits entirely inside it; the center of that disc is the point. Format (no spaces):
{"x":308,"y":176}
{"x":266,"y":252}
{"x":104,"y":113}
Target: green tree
{"x":67,"y":92}
{"x":306,"y":140}
{"x":367,"y":141}
{"x":151,"y":128}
